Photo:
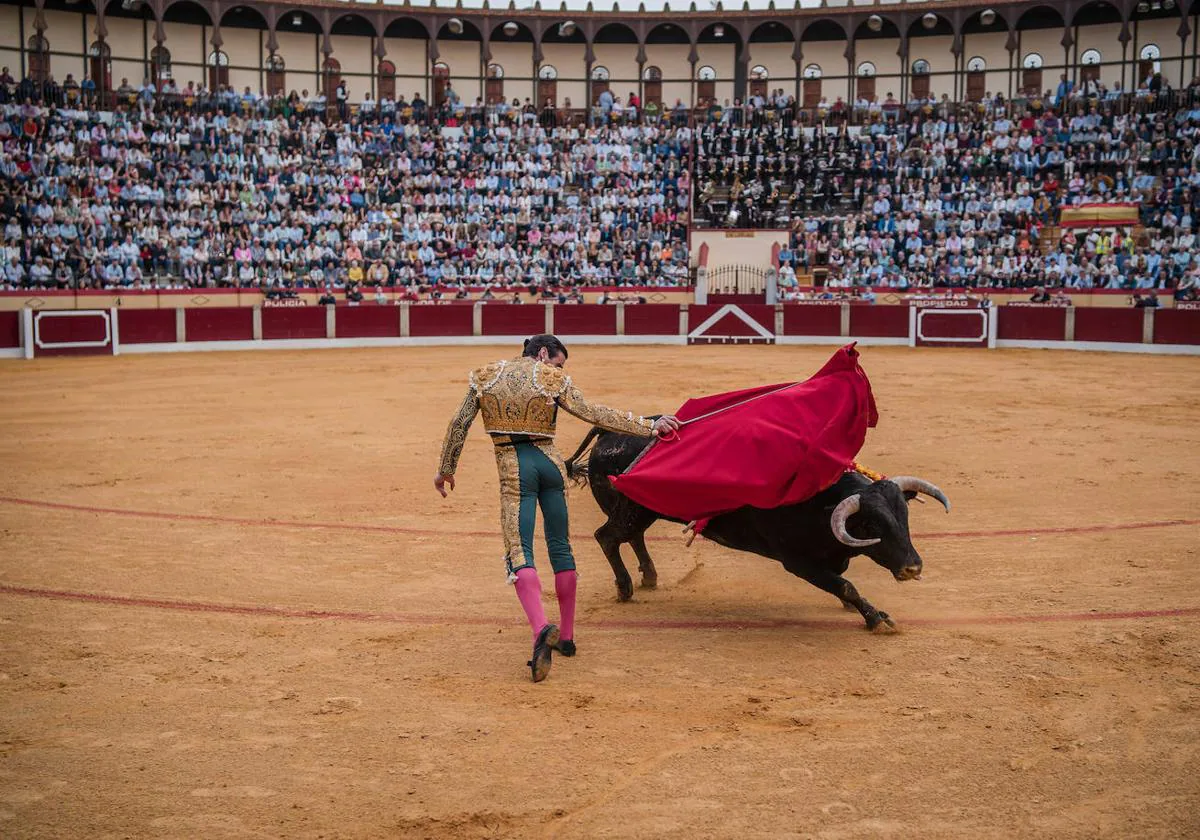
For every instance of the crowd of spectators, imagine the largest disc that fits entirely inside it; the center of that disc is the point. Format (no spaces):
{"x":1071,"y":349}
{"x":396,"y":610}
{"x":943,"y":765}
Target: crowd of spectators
{"x":192,"y":188}
{"x":154,"y":193}
{"x":947,"y":197}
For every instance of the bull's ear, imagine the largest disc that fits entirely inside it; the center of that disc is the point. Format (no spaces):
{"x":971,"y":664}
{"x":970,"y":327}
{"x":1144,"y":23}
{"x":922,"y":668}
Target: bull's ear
{"x":909,"y":495}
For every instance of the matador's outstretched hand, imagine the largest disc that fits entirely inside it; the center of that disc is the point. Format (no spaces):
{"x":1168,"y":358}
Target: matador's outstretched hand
{"x":440,"y":481}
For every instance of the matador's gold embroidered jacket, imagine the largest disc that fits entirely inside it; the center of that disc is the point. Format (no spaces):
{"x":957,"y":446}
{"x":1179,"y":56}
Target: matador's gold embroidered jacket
{"x":522,"y":397}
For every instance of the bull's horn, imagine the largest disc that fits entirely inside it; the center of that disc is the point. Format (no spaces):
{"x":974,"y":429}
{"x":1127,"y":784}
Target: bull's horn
{"x":845,"y":509}
{"x":912,"y":484}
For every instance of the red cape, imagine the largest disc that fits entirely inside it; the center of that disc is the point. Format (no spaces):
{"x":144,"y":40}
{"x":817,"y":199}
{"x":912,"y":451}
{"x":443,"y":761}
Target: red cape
{"x":762,"y":447}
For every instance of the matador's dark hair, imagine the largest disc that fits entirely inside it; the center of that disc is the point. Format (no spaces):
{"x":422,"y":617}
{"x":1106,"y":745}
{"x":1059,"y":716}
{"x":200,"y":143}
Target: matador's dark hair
{"x":551,"y":343}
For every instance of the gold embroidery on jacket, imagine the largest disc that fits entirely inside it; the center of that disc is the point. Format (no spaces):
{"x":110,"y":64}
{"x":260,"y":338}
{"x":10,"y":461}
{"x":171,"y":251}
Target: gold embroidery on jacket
{"x":456,"y":433}
{"x":522,"y":397}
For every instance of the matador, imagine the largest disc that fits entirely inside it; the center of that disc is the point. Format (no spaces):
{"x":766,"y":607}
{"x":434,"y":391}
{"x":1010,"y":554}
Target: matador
{"x":519,"y":400}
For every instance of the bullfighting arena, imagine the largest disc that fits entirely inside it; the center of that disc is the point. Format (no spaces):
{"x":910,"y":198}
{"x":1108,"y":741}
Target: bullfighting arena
{"x":234,"y":606}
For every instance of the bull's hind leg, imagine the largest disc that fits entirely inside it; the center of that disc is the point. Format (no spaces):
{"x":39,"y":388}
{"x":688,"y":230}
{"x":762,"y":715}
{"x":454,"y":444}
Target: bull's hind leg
{"x":645,"y":564}
{"x":610,"y":538}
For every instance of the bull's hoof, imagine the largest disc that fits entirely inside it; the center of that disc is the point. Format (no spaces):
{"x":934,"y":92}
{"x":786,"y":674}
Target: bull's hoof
{"x":624,"y":589}
{"x":649,"y":582}
{"x":881,"y":622}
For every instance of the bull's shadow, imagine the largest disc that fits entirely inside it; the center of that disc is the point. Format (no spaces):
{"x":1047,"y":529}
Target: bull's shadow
{"x":812,"y":539}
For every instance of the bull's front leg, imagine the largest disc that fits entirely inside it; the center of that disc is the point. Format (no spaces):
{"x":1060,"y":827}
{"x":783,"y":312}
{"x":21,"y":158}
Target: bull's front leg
{"x":610,"y":539}
{"x":839,"y":587}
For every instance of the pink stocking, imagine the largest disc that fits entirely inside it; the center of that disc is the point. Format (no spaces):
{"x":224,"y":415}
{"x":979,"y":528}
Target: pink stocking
{"x":564,"y":587}
{"x":529,"y":591}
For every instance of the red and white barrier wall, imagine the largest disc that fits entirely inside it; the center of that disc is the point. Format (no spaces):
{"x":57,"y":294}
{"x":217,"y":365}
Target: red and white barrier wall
{"x":34,"y":333}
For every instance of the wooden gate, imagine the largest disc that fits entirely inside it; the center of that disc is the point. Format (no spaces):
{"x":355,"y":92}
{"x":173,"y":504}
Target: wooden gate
{"x":737,"y":284}
{"x":387,"y":80}
{"x":976,"y":85}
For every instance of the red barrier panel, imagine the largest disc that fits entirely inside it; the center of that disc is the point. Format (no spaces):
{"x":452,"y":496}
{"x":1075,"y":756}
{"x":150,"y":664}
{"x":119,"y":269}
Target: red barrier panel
{"x":951,"y":327}
{"x":1028,"y":323}
{"x":1176,"y":326}
{"x":730,"y":324}
{"x":1108,"y":324}
{"x":511,"y":319}
{"x":146,"y":326}
{"x":651,"y":319}
{"x":10,"y":329}
{"x":55,"y":328}
{"x":442,"y":320}
{"x":879,"y":321}
{"x":219,"y":324}
{"x":293,"y":322}
{"x":585,"y":319}
{"x":368,"y":321}
{"x":72,"y":332}
{"x":801,"y":319}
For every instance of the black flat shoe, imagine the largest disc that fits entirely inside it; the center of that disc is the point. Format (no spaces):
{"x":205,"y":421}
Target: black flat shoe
{"x":566,"y":647}
{"x":547,"y":640}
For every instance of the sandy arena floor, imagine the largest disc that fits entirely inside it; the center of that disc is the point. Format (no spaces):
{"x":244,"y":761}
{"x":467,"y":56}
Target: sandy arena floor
{"x":372,"y":684}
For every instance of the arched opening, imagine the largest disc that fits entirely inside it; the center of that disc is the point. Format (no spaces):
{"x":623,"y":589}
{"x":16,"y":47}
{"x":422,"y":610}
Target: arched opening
{"x":495,"y":84}
{"x":547,"y":89}
{"x":218,"y":70}
{"x":1031,"y":74}
{"x":759,"y":76}
{"x":865,"y":82}
{"x":331,"y":77}
{"x":563,"y":32}
{"x":812,"y":86}
{"x":512,"y":32}
{"x":441,"y":81}
{"x":667,"y":33}
{"x":298,"y":21}
{"x":600,"y":82}
{"x":771,"y":32}
{"x":1095,"y":14}
{"x":100,"y":68}
{"x":929,"y":25}
{"x":615,"y":33}
{"x":1041,"y":17}
{"x":921,"y":69}
{"x":985,"y":21}
{"x":706,"y":85}
{"x":652,"y":85}
{"x":276,"y":76}
{"x":976,"y":78}
{"x":243,"y":17}
{"x":760,"y":87}
{"x":469,"y":32}
{"x":385,"y":73}
{"x":1089,"y":66}
{"x":38,"y":58}
{"x":1149,"y":63}
{"x":876,"y":27}
{"x":185,"y":11}
{"x":160,"y":66}
{"x":355,"y":25}
{"x":114,"y":9}
{"x":719,"y":33}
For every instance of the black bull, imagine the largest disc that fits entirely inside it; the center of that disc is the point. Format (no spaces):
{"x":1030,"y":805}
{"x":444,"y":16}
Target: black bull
{"x":812,"y":539}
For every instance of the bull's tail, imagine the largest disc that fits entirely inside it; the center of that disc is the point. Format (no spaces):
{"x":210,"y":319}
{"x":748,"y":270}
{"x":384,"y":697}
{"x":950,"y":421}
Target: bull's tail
{"x":577,"y":470}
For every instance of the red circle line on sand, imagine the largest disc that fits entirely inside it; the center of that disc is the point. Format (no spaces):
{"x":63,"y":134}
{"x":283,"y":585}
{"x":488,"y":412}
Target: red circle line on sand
{"x":431,"y":532}
{"x":269,"y":611}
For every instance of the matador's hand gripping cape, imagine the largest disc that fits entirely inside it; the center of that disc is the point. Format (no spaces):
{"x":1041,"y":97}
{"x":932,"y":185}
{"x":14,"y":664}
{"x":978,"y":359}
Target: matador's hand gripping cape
{"x":762,"y":447}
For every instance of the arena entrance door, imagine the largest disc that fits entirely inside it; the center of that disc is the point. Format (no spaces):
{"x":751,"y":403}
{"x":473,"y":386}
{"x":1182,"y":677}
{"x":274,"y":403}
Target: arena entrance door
{"x":737,"y":284}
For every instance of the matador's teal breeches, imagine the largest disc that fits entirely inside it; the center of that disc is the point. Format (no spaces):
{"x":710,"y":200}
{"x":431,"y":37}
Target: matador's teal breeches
{"x":532,"y":475}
